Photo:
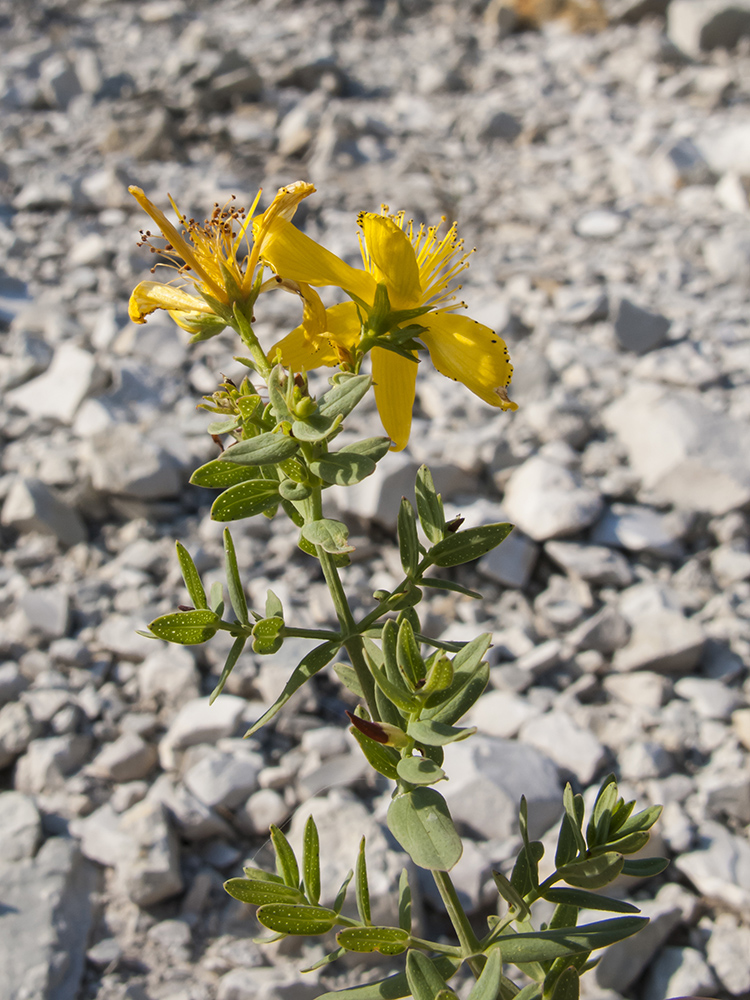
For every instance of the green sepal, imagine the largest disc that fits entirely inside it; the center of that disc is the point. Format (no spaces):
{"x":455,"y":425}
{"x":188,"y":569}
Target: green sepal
{"x":257,"y":893}
{"x":407,"y":538}
{"x":588,"y":900}
{"x":310,"y":664}
{"x":330,"y":535}
{"x":386,"y":940}
{"x":425,"y":981}
{"x":186,"y":628}
{"x":311,"y":861}
{"x":268,"y":448}
{"x":286,"y":862}
{"x":470,"y":677}
{"x":593,"y":873}
{"x":218,"y":474}
{"x":467,"y":545}
{"x":245,"y":500}
{"x":439,"y":675}
{"x":419,"y":771}
{"x":248,"y":402}
{"x":429,"y":506}
{"x":437,"y":734}
{"x":361,"y":888}
{"x":420,"y":821}
{"x":234,"y":654}
{"x":192,"y":578}
{"x":286,"y":919}
{"x":347,"y":390}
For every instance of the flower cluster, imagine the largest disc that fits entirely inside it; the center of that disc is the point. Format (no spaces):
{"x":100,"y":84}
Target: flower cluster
{"x":401,"y":300}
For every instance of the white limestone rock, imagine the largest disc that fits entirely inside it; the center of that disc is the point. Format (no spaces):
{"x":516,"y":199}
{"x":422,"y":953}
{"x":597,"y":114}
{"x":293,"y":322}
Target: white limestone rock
{"x":546,"y":500}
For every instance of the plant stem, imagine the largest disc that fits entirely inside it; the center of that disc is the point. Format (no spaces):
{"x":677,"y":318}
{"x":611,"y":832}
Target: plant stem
{"x":470,"y":947}
{"x":247,"y":335}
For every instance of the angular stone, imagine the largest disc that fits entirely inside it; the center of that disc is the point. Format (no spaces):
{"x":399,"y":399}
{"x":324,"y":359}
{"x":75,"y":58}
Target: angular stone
{"x":511,"y":563}
{"x":128,"y":758}
{"x":17,"y":729}
{"x":641,"y":529}
{"x":169,"y":676}
{"x":20,"y":826}
{"x":47,"y":762}
{"x":597,"y":564}
{"x":224,"y":779}
{"x":488,"y":776}
{"x":679,"y":971}
{"x":730,"y":563}
{"x":664,"y":641}
{"x":720,"y":867}
{"x":581,"y":305}
{"x":32,"y":506}
{"x":47,"y":610}
{"x":61,"y":389}
{"x":546,"y":500}
{"x":685,"y":453}
{"x":501,"y":713}
{"x":262,"y":809}
{"x":711,"y":699}
{"x":574,"y":749}
{"x":605,"y":631}
{"x":151,"y":873}
{"x":697,"y":26}
{"x":679,"y":162}
{"x":199,"y":722}
{"x":727,"y":949}
{"x":640,"y":688}
{"x":44,"y":922}
{"x":639,"y":330}
{"x":194,"y":820}
{"x":124,"y":462}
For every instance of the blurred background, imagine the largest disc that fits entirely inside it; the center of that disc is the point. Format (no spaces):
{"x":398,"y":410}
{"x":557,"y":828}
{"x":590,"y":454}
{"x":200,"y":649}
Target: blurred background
{"x":598,"y":157}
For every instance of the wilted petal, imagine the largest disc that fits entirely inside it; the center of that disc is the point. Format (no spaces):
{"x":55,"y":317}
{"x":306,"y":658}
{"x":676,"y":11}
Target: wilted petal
{"x":148,"y":296}
{"x":314,"y":344}
{"x":468,"y":352}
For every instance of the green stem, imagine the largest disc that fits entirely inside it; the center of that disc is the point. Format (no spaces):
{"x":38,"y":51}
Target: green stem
{"x":470,"y":946}
{"x":310,"y":633}
{"x":244,"y":328}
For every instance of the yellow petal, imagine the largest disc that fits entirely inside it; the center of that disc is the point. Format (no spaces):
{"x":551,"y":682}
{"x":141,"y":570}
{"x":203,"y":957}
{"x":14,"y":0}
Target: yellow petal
{"x":469,"y":352}
{"x":148,"y":296}
{"x":314,"y":345}
{"x":395,"y":379}
{"x":391,"y":259}
{"x":293,"y":255}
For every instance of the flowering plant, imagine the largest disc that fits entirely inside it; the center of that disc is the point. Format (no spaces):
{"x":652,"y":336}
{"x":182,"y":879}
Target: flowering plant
{"x":412,"y":690}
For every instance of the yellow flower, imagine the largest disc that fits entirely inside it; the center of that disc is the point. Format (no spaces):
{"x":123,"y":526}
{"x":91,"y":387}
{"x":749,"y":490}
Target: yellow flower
{"x":418,"y":270}
{"x":216,"y":257}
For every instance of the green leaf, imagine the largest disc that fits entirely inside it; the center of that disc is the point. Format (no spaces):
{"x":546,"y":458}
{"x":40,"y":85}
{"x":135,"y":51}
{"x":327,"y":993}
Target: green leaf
{"x":258,"y":893}
{"x":544,"y":946}
{"x":437,"y":734}
{"x":348,"y":677}
{"x":326,"y":960}
{"x":439,"y":676}
{"x":532,"y":991}
{"x":567,"y":845}
{"x":386,"y":940}
{"x":404,"y":901}
{"x":224,"y":426}
{"x":342,"y":468}
{"x":425,"y":981}
{"x":408,"y":657}
{"x":588,"y":900}
{"x":330,"y":535}
{"x":419,"y":771}
{"x":268,"y":448}
{"x":192,"y":579}
{"x":593,"y":873}
{"x":307,"y":667}
{"x":276,"y":395}
{"x":420,"y":821}
{"x":286,"y":863}
{"x":220,"y":474}
{"x":397,"y":693}
{"x":361,"y":889}
{"x":384,"y":759}
{"x":344,"y":395}
{"x":487,"y":987}
{"x":470,"y":677}
{"x":525,"y":875}
{"x":642,"y":821}
{"x":289,"y":490}
{"x":630,"y":844}
{"x":435,"y":583}
{"x":394,"y":987}
{"x":311,"y":861}
{"x":274,"y":607}
{"x":266,"y":636}
{"x":467,"y":545}
{"x":245,"y":500}
{"x":407,"y":538}
{"x":259,"y":875}
{"x":644,"y":867}
{"x":234,"y":654}
{"x":341,"y":894}
{"x":574,"y":808}
{"x":429,"y":506}
{"x":234,"y":583}
{"x":514,"y":900}
{"x":316,"y":428}
{"x":598,"y":827}
{"x":568,"y":985}
{"x":287,"y":919}
{"x":373,"y":448}
{"x":216,"y":598}
{"x":186,"y":628}
{"x":342,"y":559}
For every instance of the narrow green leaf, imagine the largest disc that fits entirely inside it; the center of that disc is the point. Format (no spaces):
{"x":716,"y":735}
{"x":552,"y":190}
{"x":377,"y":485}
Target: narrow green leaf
{"x":220,"y":474}
{"x":342,"y":468}
{"x":468,"y":545}
{"x":225,"y":425}
{"x":396,"y":693}
{"x":330,"y":535}
{"x":514,"y":900}
{"x":437,"y":734}
{"x":470,"y":678}
{"x":326,"y":960}
{"x":574,"y":807}
{"x":384,"y":759}
{"x":186,"y":628}
{"x":588,"y":900}
{"x":532,"y":991}
{"x":258,"y":893}
{"x":234,"y":583}
{"x":373,"y":448}
{"x":606,"y":799}
{"x":593,"y":873}
{"x":234,"y":654}
{"x":286,"y":863}
{"x":404,"y":901}
{"x":425,"y":981}
{"x":639,"y":823}
{"x":276,"y":395}
{"x":420,"y":821}
{"x":285,"y":919}
{"x":308,"y":666}
{"x":439,"y":675}
{"x":487,"y":987}
{"x":394,"y":987}
{"x":344,"y":395}
{"x":362,"y":889}
{"x":216,"y":598}
{"x":386,"y":940}
{"x":268,"y":448}
{"x":311,"y":861}
{"x":407,"y":538}
{"x":192,"y":578}
{"x":408,"y":657}
{"x":419,"y":771}
{"x":262,"y":876}
{"x":316,"y":428}
{"x":348,"y":677}
{"x":274,"y":607}
{"x":644,"y":867}
{"x":429,"y":506}
{"x":435,"y":583}
{"x":568,"y":986}
{"x":567,"y":845}
{"x":544,"y":946}
{"x":630,"y":844}
{"x":245,"y":500}
{"x":341,"y":894}
{"x":525,"y":875}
